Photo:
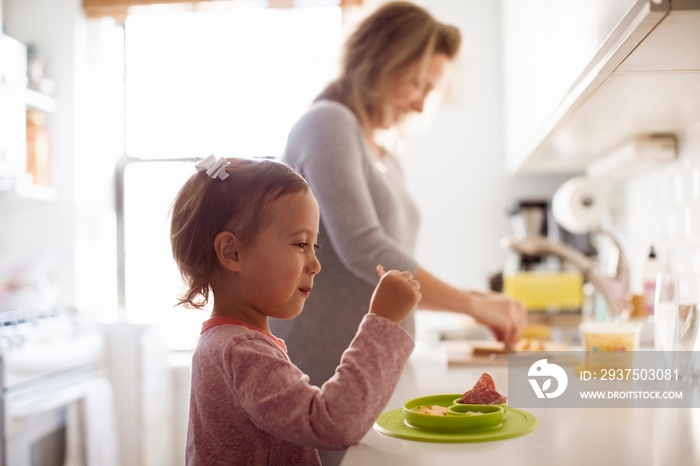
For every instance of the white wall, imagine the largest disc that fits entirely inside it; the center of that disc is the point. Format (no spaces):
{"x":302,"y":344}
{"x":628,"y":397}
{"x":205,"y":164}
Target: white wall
{"x":662,"y":208}
{"x":456,"y":169}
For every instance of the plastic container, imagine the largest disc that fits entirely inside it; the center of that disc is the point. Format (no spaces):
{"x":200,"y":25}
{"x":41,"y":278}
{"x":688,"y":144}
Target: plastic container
{"x":609,"y":345}
{"x":610,"y":336}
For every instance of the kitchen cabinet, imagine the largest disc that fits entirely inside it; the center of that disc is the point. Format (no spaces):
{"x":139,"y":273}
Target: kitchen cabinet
{"x":144,"y":395}
{"x":24,"y":139}
{"x":38,"y":181}
{"x":584,"y":78}
{"x":22,"y":185}
{"x":13,"y":81}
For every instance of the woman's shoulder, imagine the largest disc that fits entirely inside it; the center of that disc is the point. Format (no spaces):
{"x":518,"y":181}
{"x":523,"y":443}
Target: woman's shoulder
{"x":328,"y":113}
{"x":328,"y":131}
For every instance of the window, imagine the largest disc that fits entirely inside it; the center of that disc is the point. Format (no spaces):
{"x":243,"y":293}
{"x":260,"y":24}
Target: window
{"x":226,"y":82}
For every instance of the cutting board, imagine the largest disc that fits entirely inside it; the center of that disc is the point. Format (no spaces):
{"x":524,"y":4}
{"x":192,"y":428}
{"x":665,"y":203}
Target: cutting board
{"x":486,"y":353}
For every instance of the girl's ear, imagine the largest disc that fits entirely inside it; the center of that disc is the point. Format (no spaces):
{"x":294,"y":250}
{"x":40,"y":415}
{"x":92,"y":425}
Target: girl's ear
{"x":227,"y":249}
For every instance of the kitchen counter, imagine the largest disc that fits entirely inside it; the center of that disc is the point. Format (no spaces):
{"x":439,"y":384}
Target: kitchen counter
{"x":575,"y":436}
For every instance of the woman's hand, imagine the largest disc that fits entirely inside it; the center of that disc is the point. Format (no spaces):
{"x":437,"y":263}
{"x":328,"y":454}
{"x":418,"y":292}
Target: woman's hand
{"x":396,"y":294}
{"x":504,"y":316}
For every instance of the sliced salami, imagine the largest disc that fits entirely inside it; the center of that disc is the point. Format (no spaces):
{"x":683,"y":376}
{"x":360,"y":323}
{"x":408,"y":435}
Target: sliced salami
{"x":483,"y":393}
{"x":485,"y":381}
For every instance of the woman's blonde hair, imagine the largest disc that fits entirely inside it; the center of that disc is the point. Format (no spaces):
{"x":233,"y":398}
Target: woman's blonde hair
{"x":392,"y":40}
{"x":204,"y":207}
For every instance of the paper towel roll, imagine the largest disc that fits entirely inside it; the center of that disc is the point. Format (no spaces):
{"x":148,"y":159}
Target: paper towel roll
{"x":578,"y":204}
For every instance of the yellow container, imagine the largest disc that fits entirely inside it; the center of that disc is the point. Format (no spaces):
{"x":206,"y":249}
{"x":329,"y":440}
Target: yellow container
{"x":610,"y":336}
{"x":541,"y":291}
{"x":609,"y":345}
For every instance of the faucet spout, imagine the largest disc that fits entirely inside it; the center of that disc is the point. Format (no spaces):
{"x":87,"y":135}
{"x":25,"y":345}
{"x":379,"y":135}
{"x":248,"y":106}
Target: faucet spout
{"x":613,"y":289}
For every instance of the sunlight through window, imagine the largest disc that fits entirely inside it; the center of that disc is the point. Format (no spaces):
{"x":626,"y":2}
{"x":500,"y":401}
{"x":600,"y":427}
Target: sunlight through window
{"x":225,"y":82}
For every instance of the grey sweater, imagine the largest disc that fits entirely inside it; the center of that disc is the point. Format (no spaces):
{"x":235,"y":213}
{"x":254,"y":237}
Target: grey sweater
{"x":367,"y":219}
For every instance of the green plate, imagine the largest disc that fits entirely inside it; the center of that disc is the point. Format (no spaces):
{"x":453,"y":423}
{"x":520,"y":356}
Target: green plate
{"x":492,"y":415}
{"x":515,"y":423}
{"x":502,"y":405}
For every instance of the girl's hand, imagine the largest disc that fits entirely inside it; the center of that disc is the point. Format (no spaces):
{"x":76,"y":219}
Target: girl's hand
{"x":396,"y":294}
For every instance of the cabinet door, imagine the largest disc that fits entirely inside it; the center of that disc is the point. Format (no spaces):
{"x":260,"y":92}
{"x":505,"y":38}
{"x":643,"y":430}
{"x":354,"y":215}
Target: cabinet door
{"x":547,"y":47}
{"x":13,"y":81}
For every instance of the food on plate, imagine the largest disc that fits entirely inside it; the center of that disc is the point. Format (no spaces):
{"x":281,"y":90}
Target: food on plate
{"x":434,"y":410}
{"x":437,"y":410}
{"x":530,"y":344}
{"x":483,"y":393}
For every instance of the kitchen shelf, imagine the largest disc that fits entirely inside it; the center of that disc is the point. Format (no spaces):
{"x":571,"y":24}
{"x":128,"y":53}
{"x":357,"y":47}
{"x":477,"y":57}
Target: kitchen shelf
{"x":40,"y":101}
{"x":26,"y":190}
{"x":36,"y":192}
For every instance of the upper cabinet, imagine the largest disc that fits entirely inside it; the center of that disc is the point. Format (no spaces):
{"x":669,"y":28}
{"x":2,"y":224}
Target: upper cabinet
{"x":24,"y":135}
{"x":583,"y":77}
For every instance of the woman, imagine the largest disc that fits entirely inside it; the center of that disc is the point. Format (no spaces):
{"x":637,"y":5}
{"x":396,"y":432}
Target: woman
{"x":391,"y":62}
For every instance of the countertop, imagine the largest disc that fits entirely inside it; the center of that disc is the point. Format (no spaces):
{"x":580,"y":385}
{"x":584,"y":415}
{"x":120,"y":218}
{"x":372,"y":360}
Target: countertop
{"x":574,"y":436}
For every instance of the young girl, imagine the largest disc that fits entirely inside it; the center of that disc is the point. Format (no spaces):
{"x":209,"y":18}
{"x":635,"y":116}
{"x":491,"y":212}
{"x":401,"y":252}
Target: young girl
{"x":245,"y":231}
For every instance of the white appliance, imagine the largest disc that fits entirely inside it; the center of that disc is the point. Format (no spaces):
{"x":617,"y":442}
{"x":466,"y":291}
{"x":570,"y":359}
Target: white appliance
{"x":13,"y":116}
{"x":55,"y":399}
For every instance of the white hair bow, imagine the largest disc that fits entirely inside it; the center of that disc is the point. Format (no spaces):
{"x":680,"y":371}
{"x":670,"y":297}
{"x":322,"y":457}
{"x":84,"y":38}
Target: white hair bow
{"x":215,"y":168}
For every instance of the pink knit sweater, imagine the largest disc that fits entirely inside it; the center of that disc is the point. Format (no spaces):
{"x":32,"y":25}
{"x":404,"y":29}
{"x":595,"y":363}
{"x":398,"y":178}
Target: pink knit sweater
{"x":250,"y":405}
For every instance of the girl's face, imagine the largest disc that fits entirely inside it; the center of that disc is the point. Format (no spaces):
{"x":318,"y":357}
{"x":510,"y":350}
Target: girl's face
{"x":278,"y":268}
{"x":409,"y":91}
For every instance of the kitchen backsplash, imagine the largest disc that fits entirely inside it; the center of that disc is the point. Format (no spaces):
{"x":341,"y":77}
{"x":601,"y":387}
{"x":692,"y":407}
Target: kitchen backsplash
{"x":661,"y":207}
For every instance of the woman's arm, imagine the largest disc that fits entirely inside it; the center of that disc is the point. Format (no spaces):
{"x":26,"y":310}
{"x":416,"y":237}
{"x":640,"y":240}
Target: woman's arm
{"x":505,"y":317}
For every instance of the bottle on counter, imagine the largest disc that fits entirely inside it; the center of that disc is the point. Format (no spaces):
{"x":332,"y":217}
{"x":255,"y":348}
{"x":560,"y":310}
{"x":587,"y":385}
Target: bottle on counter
{"x":652,"y":267}
{"x":635,"y":306}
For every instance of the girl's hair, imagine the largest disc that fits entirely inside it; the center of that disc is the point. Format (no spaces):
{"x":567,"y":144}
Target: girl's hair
{"x":392,"y":40}
{"x":204,"y":207}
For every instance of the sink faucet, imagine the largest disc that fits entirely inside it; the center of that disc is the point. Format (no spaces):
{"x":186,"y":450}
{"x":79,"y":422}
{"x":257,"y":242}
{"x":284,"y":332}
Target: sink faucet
{"x":613,"y":287}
